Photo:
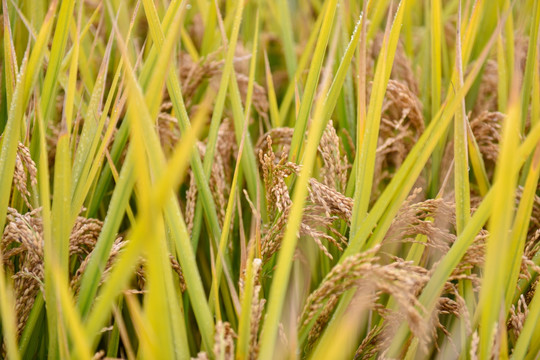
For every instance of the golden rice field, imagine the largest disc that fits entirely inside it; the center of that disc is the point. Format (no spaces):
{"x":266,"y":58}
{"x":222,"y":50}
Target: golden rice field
{"x":270,"y":179}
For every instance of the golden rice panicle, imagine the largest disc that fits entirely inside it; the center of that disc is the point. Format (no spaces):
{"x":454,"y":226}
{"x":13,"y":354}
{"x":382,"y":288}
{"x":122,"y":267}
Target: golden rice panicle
{"x":280,"y":138}
{"x":224,"y":341}
{"x":22,"y":237}
{"x":191,"y":201}
{"x":518,"y":315}
{"x":333,"y":202}
{"x":335,"y":166}
{"x":400,"y":279}
{"x":23,"y":165}
{"x":402,"y":123}
{"x":486,"y":128}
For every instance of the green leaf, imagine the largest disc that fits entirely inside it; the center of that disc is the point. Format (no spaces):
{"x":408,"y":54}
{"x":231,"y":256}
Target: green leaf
{"x":301,"y":122}
{"x":365,"y":164}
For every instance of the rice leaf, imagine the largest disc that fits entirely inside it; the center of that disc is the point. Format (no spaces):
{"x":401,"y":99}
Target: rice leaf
{"x":493,"y":293}
{"x":461,"y":164}
{"x":311,"y":83}
{"x":366,"y":161}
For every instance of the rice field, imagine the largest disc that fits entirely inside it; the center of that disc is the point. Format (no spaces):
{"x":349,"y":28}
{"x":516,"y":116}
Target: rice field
{"x":260,"y":179}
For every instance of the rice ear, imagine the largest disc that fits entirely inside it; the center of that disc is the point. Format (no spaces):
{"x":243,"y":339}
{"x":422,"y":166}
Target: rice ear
{"x":335,"y":166}
{"x":23,"y":165}
{"x":224,"y":341}
{"x":402,"y":123}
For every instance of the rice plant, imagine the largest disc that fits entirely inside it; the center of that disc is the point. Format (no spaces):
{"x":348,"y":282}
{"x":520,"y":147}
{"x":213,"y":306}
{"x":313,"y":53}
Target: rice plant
{"x":258,"y":179}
